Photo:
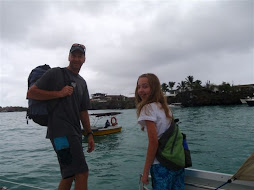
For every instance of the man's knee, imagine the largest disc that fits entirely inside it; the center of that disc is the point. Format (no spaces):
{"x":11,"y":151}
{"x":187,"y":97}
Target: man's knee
{"x":66,"y":183}
{"x":68,"y":179}
{"x":81,"y":181}
{"x":82,"y":175}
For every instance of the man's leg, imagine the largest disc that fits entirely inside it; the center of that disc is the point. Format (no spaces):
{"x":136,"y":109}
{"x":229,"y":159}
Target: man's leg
{"x":65,"y":184}
{"x":81,"y":181}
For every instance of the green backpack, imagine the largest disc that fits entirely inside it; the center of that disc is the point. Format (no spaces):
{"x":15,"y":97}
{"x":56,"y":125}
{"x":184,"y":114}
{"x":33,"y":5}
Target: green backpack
{"x":173,"y":152}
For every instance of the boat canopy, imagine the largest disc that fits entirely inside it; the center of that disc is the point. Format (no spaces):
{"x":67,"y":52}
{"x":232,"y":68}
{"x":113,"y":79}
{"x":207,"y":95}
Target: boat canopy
{"x":104,"y":114}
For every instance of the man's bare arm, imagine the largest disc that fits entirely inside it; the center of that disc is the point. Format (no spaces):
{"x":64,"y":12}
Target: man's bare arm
{"x":84,"y":116}
{"x":38,"y":94}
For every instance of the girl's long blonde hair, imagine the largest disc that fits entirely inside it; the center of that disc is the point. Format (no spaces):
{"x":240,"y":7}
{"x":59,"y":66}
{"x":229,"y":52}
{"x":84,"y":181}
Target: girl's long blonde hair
{"x":155,"y":96}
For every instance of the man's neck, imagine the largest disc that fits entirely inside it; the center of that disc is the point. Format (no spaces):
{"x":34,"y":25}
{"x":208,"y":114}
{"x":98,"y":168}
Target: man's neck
{"x":76,"y":71}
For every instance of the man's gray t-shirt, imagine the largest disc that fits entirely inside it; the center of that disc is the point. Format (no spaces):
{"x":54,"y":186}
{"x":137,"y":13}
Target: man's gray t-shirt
{"x":65,"y":118}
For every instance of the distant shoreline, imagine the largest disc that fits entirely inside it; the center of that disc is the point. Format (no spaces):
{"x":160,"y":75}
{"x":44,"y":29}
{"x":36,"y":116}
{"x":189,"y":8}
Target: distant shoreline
{"x":193,"y":98}
{"x":13,"y":109}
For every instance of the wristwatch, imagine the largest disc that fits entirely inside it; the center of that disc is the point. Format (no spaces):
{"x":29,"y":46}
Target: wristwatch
{"x":89,"y":133}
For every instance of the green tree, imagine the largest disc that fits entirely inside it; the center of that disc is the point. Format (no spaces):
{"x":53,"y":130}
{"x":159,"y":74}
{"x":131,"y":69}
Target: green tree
{"x":171,"y":85}
{"x":210,"y":86}
{"x":224,"y":87}
{"x":197,"y":84}
{"x":190,"y":82}
{"x":181,"y":86}
{"x":164,"y":87}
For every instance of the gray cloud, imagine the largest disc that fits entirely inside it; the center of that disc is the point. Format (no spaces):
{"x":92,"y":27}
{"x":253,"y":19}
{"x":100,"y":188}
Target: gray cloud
{"x":208,"y":40}
{"x":18,"y":17}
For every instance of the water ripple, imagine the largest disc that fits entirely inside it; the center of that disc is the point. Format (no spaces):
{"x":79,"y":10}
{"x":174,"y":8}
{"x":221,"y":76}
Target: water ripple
{"x":220,"y":139}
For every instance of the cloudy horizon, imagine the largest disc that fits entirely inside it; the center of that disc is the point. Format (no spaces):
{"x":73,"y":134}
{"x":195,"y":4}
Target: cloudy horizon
{"x":209,"y":40}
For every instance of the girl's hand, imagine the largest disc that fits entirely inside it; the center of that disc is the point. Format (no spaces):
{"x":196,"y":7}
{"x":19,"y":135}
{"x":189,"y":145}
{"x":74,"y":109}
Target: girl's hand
{"x":145,"y":179}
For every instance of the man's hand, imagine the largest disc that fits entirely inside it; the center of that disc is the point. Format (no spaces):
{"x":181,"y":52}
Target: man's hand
{"x":84,"y":116}
{"x":66,"y":91}
{"x":90,"y":147}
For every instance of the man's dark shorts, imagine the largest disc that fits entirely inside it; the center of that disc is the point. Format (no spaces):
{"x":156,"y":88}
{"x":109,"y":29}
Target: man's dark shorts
{"x":70,"y":155}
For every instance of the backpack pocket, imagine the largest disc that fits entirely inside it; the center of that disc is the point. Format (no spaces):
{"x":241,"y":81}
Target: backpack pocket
{"x":170,"y":152}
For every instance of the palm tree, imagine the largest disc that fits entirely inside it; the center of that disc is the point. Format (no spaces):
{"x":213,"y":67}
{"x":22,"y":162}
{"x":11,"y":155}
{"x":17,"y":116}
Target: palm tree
{"x":181,"y":86}
{"x":171,"y":85}
{"x":190,"y":82}
{"x":164,"y":87}
{"x":197,"y":84}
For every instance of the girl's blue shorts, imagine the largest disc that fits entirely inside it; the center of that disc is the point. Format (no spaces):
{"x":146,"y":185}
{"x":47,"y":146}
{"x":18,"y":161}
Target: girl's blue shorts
{"x":166,"y":179}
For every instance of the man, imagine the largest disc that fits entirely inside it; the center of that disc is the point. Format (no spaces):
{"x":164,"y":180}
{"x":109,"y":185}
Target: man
{"x":68,"y":102}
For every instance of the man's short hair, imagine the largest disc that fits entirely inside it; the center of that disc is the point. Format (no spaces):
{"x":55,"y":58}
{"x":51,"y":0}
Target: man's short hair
{"x":78,"y":47}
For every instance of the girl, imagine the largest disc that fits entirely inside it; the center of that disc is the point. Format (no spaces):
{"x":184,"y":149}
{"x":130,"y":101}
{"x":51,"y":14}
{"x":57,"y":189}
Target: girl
{"x":155,"y":116}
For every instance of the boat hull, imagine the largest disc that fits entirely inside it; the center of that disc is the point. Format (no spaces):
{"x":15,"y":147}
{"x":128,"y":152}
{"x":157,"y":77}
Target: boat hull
{"x":243,"y":101}
{"x":200,"y":179}
{"x":98,"y":131}
{"x":250,"y":102}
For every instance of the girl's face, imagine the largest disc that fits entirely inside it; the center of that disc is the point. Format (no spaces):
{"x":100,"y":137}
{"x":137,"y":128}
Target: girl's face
{"x":144,"y":89}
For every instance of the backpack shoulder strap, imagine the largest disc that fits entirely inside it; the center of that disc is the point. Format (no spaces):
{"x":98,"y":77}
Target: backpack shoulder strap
{"x":167,"y":134}
{"x":67,"y":80}
{"x":170,"y":130}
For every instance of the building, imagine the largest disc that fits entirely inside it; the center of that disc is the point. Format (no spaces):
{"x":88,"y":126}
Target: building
{"x":101,"y":97}
{"x":245,"y":86}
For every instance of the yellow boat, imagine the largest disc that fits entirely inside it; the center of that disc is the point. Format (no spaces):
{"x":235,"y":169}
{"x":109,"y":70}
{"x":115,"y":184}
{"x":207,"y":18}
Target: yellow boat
{"x":108,"y":128}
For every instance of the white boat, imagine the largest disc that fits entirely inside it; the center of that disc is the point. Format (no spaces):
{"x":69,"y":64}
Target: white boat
{"x":201,"y":180}
{"x":244,"y":100}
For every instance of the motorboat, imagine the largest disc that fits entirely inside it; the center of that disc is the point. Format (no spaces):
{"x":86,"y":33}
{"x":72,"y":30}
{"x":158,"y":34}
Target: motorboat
{"x":104,"y":129}
{"x":244,"y":100}
{"x":195,"y":179}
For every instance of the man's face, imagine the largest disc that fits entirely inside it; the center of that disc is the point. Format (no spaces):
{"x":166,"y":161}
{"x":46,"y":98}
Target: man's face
{"x":76,"y":58}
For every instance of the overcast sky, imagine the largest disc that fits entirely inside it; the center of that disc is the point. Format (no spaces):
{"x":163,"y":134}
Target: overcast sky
{"x":209,"y":40}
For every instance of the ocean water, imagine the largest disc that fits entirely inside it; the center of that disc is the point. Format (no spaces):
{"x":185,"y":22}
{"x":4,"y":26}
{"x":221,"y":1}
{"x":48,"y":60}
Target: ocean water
{"x":220,"y":139}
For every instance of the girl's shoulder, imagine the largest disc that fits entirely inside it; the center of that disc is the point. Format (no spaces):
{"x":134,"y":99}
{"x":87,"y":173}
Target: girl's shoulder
{"x":153,"y":107}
